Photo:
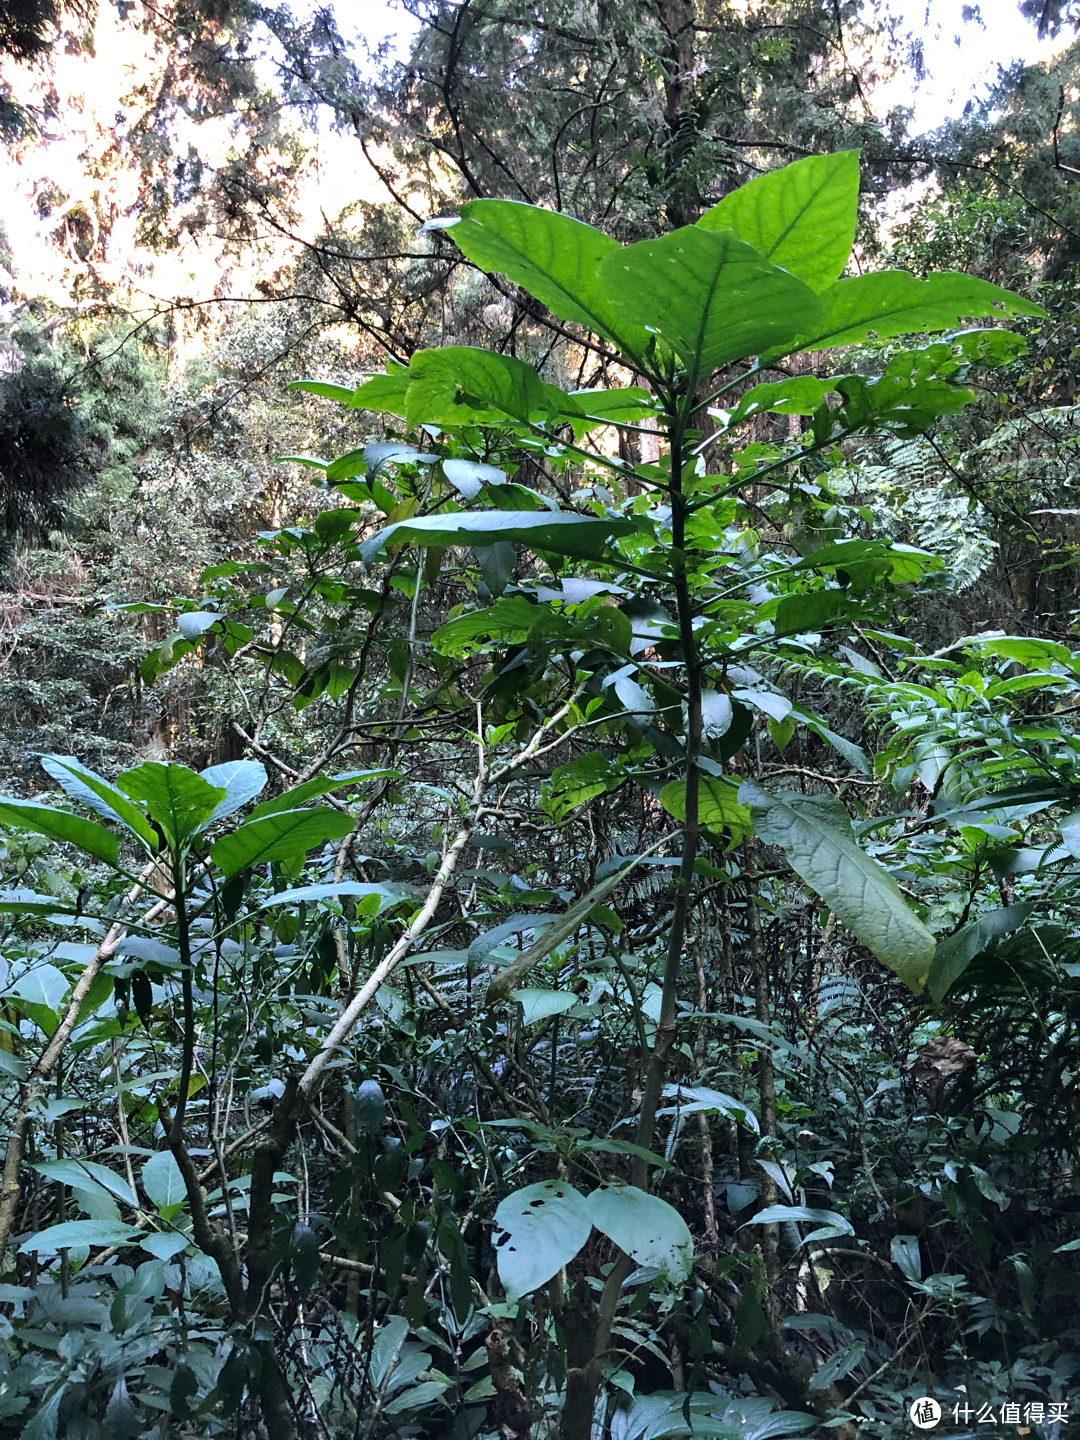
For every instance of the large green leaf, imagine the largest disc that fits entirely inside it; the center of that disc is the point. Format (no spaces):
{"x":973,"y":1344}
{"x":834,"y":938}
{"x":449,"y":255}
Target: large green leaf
{"x":887,"y":402}
{"x":278,"y":837}
{"x":241,"y":780}
{"x":86,"y":1175}
{"x":28,"y":902}
{"x":163,"y":1181}
{"x":917,"y":386}
{"x":79,"y":1234}
{"x":178,"y":799}
{"x":461,"y":385}
{"x":582,"y":536}
{"x":651,"y":1231}
{"x":797,"y":395}
{"x":802,"y":1214}
{"x":386,"y":895}
{"x":802,"y":216}
{"x":385,"y":393}
{"x":513,"y":615}
{"x":814,"y":833}
{"x":956,"y":952}
{"x":558,"y":260}
{"x":97,"y":794}
{"x":589,"y":775}
{"x":324,"y":389}
{"x":710,"y":297}
{"x":43,"y":986}
{"x":564,"y":927}
{"x":603,"y":407}
{"x":892,"y":302}
{"x":538,"y":1005}
{"x":719,"y":806}
{"x":59,"y":825}
{"x":544,"y":1226}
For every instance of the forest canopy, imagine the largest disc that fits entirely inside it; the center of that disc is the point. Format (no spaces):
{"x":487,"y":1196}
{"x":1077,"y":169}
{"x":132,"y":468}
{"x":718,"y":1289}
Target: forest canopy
{"x":539,"y":676}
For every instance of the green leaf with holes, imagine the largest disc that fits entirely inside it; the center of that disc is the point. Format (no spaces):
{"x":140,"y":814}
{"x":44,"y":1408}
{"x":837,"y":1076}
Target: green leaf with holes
{"x":719,"y":804}
{"x":461,"y":385}
{"x":538,"y":1230}
{"x":892,"y":302}
{"x":651,"y":1231}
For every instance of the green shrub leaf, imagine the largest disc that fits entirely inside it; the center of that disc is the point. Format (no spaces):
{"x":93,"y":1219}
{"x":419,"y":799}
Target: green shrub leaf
{"x":178,"y":799}
{"x":278,"y":837}
{"x":711,"y":298}
{"x":543,"y":1227}
{"x":60,"y":825}
{"x":814,"y":833}
{"x":892,"y":302}
{"x":557,"y":259}
{"x":91,"y":790}
{"x":802,"y":216}
{"x":651,"y":1231}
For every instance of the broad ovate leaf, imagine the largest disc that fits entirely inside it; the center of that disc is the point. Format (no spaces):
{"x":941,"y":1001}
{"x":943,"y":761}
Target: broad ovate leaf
{"x":385,"y":393}
{"x":651,"y":1231}
{"x":193,"y":624}
{"x":469,"y":476}
{"x":463,"y":385}
{"x":386,"y":895}
{"x":42,"y":985}
{"x":88,"y":1175}
{"x":241,"y":780}
{"x":557,"y":259}
{"x":956,"y":952}
{"x":542,"y":1228}
{"x":802,"y":216}
{"x":313,"y":789}
{"x":164,"y":1244}
{"x":796,"y":395}
{"x":814,"y":833}
{"x":496,"y":564}
{"x":719,"y":804}
{"x":178,"y":799}
{"x":324,"y":389}
{"x":163,"y":1182}
{"x":540,"y":1005}
{"x":79,"y":1234}
{"x":716,"y":714}
{"x":709,"y":297}
{"x":801,"y":1214}
{"x":280,"y":836}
